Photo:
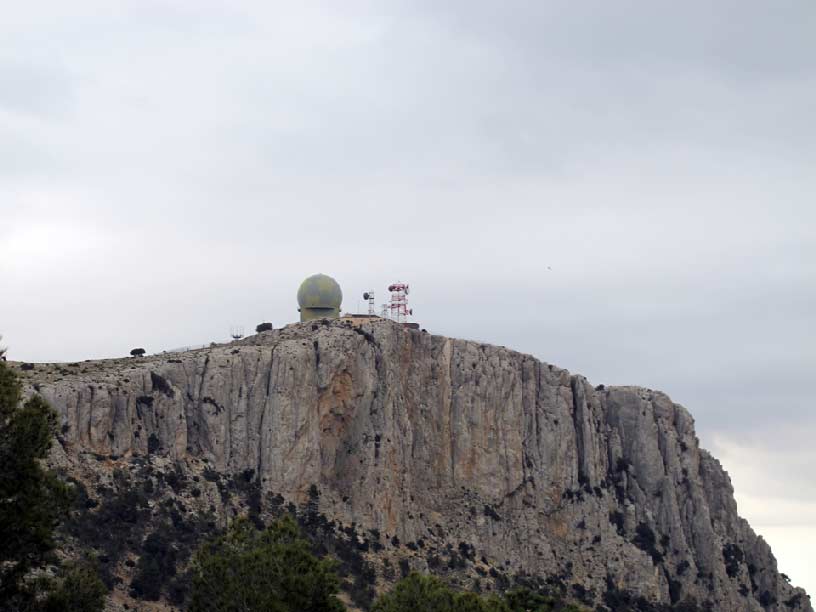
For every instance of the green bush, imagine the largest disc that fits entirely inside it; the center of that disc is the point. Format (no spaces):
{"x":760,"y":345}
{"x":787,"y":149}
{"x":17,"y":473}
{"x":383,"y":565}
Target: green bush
{"x":416,"y":593}
{"x":272,"y":570}
{"x":79,"y":590}
{"x":429,"y":594}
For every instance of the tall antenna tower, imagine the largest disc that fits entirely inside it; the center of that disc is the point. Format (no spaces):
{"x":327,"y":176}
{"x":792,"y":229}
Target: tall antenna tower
{"x":237,"y":332}
{"x":398,"y":304}
{"x":369,"y":295}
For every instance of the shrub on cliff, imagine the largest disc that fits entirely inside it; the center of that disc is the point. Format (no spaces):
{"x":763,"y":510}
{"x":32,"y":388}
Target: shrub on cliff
{"x":78,"y":590}
{"x":262,"y":327}
{"x":273,"y":569}
{"x":430,"y":594}
{"x":137,"y":352}
{"x":524,"y":600}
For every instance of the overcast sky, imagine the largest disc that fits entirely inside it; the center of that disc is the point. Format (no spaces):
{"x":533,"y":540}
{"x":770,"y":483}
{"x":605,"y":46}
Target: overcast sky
{"x":626,"y":189}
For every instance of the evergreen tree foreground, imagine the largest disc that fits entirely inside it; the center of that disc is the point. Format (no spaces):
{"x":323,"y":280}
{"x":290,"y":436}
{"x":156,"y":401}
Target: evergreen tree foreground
{"x":271,"y":570}
{"x":32,"y":502}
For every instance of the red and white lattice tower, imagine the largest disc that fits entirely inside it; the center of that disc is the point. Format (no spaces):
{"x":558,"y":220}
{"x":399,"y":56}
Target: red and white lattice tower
{"x":398,"y":305}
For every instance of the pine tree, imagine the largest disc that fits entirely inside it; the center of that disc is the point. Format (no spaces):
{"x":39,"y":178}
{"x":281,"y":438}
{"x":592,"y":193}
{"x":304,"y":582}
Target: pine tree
{"x":32,"y":499}
{"x":271,"y":570}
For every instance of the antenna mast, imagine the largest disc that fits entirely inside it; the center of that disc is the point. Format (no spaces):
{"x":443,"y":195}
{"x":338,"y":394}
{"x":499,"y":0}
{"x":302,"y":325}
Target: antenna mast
{"x":369,"y":295}
{"x":399,"y":302}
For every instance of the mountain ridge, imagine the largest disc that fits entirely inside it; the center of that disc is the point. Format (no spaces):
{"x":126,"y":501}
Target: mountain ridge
{"x":452,"y":456}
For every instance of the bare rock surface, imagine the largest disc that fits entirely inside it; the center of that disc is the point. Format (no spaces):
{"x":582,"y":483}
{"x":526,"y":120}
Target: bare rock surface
{"x":443,"y":449}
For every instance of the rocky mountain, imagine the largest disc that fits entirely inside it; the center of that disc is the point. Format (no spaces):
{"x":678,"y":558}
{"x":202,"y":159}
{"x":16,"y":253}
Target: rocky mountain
{"x":401,"y":450}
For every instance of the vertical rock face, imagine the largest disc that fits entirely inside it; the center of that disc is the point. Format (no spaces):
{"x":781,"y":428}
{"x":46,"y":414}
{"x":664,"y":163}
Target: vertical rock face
{"x":446,"y":445}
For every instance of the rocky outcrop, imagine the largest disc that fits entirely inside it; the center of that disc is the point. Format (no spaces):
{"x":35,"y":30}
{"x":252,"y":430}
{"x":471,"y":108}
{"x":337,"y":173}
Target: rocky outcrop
{"x":475,"y":454}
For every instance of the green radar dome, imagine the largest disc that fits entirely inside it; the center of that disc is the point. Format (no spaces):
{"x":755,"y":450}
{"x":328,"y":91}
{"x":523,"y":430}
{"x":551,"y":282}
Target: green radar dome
{"x":319,"y":297}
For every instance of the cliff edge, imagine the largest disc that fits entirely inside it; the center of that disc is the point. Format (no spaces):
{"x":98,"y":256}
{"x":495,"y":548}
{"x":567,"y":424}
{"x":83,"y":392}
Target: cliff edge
{"x":450,"y":456}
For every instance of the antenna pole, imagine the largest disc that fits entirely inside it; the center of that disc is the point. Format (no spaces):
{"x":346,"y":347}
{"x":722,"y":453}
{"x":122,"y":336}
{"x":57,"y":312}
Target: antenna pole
{"x":399,"y":302}
{"x":369,"y":297}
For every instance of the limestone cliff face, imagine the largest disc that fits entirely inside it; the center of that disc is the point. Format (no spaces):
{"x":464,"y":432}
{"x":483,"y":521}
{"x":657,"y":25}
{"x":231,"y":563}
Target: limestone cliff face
{"x":516,"y":463}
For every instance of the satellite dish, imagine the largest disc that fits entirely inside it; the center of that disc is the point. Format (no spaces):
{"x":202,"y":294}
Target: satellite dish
{"x":365,"y":295}
{"x":406,"y":290}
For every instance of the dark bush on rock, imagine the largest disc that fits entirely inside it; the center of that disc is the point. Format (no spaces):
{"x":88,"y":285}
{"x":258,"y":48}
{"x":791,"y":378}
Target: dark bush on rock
{"x":78,"y":589}
{"x":645,"y":540}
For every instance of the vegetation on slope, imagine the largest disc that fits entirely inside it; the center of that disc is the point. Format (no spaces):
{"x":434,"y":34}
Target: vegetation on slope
{"x":271,"y":569}
{"x":274,"y":570}
{"x":418,"y":592}
{"x":32,"y":501}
